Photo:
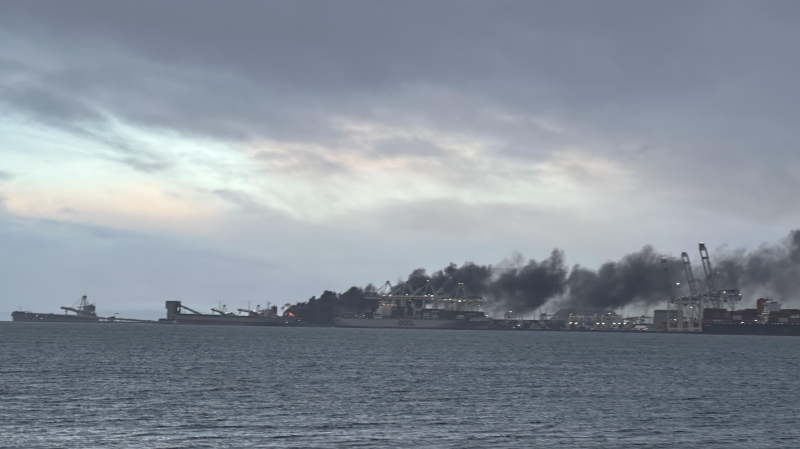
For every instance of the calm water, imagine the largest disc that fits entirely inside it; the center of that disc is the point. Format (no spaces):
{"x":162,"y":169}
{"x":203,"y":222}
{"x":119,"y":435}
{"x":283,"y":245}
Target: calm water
{"x":134,"y":386}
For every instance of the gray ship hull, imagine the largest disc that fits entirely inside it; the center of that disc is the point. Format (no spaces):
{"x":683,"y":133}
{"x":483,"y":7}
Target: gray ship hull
{"x":224,"y":320}
{"x":787,"y":329}
{"x":32,"y":317}
{"x":408,"y":323}
{"x":175,"y":315}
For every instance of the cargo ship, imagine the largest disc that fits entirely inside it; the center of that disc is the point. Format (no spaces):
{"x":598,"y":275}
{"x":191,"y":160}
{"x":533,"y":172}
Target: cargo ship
{"x":421,"y":309}
{"x":84,"y":312}
{"x":766,"y":319}
{"x":177,"y":313}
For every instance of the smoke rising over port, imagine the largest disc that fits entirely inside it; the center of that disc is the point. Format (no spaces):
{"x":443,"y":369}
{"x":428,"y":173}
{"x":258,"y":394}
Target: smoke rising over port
{"x":636,"y":279}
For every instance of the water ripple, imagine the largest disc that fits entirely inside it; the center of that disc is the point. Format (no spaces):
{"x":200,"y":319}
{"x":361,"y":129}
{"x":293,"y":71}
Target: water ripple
{"x":132,"y":386}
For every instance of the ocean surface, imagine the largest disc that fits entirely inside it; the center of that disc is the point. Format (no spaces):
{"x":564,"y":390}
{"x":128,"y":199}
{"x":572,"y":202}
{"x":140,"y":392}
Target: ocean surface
{"x":157,"y":386}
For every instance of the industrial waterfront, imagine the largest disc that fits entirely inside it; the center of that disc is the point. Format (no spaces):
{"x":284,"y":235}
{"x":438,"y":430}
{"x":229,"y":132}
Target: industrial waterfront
{"x":709,"y":307}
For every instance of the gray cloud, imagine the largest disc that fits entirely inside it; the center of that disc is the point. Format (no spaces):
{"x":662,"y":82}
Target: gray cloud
{"x":280,"y":70}
{"x":124,"y":150}
{"x":620,"y":75}
{"x":582,"y":59}
{"x":696,"y":100}
{"x":242,"y":200}
{"x":407,"y":147}
{"x":47,"y":104}
{"x":68,"y":211}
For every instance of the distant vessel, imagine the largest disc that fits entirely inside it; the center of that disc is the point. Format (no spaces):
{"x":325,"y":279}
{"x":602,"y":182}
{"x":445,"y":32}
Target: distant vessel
{"x":177,"y":314}
{"x":84,"y":312}
{"x":766,"y":319}
{"x":421,"y":309}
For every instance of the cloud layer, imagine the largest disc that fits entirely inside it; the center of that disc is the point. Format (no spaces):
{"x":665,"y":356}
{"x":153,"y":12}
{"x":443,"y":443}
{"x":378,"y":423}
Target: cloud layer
{"x":348,"y":142}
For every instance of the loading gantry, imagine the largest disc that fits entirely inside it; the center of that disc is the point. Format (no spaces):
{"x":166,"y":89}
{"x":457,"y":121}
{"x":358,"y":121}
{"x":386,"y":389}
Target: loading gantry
{"x":688,"y":309}
{"x":715,"y":296}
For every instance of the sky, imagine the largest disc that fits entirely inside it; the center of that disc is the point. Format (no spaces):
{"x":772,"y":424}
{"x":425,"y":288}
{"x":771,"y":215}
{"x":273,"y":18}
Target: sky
{"x":263,"y":152}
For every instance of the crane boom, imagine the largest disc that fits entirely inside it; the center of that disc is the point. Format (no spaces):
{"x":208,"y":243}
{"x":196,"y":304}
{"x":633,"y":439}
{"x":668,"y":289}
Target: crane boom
{"x":711,"y":285}
{"x":191,"y":310}
{"x":687,"y":266}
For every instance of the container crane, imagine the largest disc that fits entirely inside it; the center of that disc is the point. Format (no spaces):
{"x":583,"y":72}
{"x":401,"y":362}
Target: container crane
{"x":693,"y":304}
{"x":687,"y":266}
{"x":711,"y":285}
{"x":717,"y":296}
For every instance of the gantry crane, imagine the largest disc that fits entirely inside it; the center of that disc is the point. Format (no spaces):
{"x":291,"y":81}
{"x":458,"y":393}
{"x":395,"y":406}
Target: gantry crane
{"x":716,"y":296}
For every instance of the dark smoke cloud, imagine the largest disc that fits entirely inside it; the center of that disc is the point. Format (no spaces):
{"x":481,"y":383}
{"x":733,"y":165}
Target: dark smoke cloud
{"x":528,"y":287}
{"x":769,"y":270}
{"x":473,"y":277}
{"x":637,"y":278}
{"x":514,"y":284}
{"x":525,"y":286}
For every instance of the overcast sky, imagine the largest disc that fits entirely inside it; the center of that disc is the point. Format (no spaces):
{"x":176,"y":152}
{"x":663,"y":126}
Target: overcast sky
{"x":266,"y":151}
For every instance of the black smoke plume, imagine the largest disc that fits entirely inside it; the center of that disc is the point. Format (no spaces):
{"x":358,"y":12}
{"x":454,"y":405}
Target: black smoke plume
{"x":769,"y":270}
{"x":514,"y":284}
{"x":637,"y":278}
{"x":527,"y":287}
{"x":473,"y":277}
